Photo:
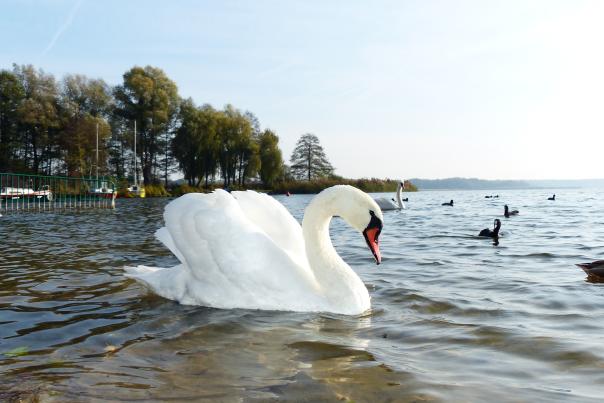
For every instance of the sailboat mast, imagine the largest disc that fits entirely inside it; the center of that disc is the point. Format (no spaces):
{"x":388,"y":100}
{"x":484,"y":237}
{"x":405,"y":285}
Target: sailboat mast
{"x":135,"y":179}
{"x":97,"y":153}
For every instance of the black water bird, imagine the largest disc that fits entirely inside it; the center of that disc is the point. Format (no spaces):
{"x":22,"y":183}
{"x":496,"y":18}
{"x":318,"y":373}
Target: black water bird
{"x":488,"y":197}
{"x":448,"y":204}
{"x":552,"y":198}
{"x":406,"y":199}
{"x":594,"y":268}
{"x":507,"y":213}
{"x":494,"y":233}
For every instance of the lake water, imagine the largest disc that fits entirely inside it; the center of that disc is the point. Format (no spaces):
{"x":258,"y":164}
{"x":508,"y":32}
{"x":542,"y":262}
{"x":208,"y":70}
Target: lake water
{"x":454,"y":317}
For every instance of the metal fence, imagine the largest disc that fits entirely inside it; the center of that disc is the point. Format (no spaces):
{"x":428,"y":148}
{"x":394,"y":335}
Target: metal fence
{"x":36,"y":192}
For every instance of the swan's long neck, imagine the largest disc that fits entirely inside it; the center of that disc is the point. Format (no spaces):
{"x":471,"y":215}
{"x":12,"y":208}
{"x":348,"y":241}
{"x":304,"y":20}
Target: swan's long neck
{"x":399,"y":197}
{"x":338,"y":281}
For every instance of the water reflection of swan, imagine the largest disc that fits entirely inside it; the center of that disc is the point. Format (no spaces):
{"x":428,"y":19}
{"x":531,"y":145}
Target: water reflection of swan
{"x":245,"y":250}
{"x":392,"y":204}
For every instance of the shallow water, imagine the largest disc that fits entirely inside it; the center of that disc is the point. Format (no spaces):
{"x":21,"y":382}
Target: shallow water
{"x":454,"y":317}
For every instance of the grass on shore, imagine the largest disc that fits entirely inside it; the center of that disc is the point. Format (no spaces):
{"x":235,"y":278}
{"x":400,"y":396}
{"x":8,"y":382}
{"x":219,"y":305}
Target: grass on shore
{"x":295,"y":187}
{"x":366,"y":185}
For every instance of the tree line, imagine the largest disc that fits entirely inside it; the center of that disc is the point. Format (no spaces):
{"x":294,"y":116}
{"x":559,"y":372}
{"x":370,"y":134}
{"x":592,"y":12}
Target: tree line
{"x":51,"y":127}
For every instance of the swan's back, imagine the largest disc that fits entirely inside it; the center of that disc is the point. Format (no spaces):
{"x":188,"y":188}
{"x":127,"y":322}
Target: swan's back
{"x":386,"y":204}
{"x":195,"y":219}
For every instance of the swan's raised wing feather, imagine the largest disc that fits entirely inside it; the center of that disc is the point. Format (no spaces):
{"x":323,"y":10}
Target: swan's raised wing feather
{"x":163,"y":235}
{"x":274,"y":219}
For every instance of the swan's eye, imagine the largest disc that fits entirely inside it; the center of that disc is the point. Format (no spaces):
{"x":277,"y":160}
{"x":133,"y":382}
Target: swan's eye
{"x":374,"y":222}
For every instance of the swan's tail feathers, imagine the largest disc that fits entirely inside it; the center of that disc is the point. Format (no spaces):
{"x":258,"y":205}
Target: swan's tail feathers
{"x":136,"y":271}
{"x":168,"y":282}
{"x":163,"y":235}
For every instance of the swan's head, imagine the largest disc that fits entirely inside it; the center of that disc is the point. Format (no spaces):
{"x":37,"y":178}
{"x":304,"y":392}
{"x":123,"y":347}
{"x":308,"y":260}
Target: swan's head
{"x":372,"y":234}
{"x":363,"y":214}
{"x":402,"y":184}
{"x":357,"y":208}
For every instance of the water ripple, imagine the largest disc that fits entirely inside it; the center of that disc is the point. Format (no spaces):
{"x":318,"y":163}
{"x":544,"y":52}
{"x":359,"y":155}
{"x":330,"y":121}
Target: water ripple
{"x":453,"y":318}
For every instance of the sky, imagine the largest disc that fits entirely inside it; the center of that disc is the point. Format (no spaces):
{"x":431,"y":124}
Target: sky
{"x":399,"y":89}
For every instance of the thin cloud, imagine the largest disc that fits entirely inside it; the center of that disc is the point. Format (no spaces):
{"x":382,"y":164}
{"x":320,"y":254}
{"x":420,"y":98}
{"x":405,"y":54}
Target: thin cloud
{"x":63,"y":27}
{"x":277,"y":69}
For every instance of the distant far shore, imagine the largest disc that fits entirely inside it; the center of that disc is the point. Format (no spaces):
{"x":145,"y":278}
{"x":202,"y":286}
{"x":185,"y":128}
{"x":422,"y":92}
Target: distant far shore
{"x":383,"y":185}
{"x":485,"y":184}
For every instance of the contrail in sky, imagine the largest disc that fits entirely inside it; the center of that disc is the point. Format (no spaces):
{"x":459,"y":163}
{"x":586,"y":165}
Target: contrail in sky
{"x":62,"y":28}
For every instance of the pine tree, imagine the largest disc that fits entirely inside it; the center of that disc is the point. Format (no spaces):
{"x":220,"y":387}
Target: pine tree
{"x":309,"y":160}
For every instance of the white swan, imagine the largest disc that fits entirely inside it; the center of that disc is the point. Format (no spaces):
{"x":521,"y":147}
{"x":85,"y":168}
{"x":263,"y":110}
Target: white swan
{"x":245,"y":250}
{"x":391,"y":204}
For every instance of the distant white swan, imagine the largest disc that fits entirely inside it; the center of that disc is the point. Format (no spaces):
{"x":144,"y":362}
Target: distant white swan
{"x":391,"y":204}
{"x":245,"y":250}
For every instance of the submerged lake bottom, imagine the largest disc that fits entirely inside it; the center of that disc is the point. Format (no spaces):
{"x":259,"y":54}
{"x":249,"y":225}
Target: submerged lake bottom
{"x":454,"y":317}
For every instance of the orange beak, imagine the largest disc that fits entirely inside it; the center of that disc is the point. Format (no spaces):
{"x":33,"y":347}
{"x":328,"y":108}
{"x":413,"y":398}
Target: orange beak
{"x":371,"y":236}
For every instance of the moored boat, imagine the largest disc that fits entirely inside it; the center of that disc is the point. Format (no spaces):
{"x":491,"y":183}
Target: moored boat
{"x":43,"y":192}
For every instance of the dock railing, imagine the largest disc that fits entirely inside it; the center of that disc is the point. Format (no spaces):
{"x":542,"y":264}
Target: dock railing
{"x":22,"y":192}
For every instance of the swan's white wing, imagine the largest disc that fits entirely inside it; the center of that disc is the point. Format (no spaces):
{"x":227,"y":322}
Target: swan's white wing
{"x":229,"y":262}
{"x":386,"y":204}
{"x":274,"y":219}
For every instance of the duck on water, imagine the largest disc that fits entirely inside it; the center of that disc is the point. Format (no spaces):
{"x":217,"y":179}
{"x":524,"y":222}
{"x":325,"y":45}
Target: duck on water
{"x":448,"y":204}
{"x":492,"y":233}
{"x":507,"y":213}
{"x":595,"y":269}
